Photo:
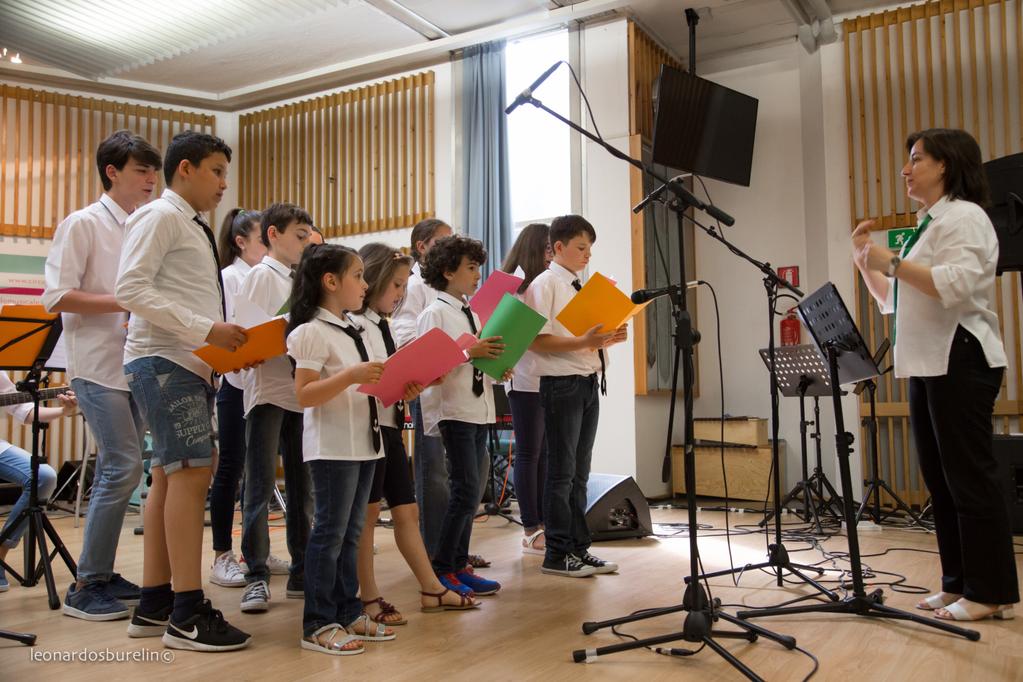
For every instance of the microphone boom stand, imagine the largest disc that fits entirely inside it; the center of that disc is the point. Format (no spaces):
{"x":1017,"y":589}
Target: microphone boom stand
{"x":701,"y":611}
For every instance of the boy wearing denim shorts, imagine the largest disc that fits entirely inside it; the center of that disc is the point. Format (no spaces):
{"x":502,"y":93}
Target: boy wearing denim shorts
{"x":169,"y":280}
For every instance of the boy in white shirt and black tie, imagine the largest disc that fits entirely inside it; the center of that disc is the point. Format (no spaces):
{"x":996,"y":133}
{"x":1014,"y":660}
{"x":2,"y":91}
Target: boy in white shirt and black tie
{"x":571,"y":370}
{"x":461,"y":407}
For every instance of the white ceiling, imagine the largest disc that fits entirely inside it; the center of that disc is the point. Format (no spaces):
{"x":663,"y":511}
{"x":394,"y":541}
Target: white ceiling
{"x":234,"y":52}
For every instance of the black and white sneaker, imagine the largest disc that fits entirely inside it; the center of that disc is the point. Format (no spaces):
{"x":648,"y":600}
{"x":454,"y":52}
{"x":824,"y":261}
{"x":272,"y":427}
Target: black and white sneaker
{"x":256,"y":598}
{"x":570,"y":567}
{"x":205,"y":630}
{"x":149,"y":624}
{"x":296,"y":587}
{"x":599,"y":565}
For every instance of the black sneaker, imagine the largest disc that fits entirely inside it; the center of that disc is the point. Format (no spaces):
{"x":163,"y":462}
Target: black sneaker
{"x":570,"y":566}
{"x":125,"y":590}
{"x":256,"y":598}
{"x":205,"y":630}
{"x":599,"y":565}
{"x":149,"y":624}
{"x":296,"y":587}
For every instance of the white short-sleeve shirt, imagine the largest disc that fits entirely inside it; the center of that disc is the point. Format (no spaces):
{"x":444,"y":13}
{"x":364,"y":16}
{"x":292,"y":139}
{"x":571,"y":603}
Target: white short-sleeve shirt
{"x":418,"y":295}
{"x":233,"y":276}
{"x":548,"y":294}
{"x":453,"y":399}
{"x":22,"y":412}
{"x":374,"y":340}
{"x":268,"y":285}
{"x":340,"y":428}
{"x":961,"y":248}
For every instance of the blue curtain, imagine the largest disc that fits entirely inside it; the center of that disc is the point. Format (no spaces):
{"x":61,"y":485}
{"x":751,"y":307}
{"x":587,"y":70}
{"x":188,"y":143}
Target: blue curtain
{"x":486,"y":199}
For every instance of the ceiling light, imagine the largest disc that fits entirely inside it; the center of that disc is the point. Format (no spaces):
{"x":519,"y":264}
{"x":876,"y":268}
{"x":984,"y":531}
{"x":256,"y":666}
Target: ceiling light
{"x":16,"y":59}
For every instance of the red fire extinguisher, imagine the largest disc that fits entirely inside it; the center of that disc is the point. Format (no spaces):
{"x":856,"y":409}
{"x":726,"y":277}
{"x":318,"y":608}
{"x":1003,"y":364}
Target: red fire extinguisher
{"x":791,"y":329}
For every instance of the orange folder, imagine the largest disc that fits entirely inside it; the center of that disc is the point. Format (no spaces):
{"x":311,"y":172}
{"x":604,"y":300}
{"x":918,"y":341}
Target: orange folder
{"x":24,"y":352}
{"x":265,"y":341}
{"x":598,"y":302}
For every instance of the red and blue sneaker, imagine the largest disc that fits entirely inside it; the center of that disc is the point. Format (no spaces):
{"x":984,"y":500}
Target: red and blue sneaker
{"x":451,"y":581}
{"x":480,"y":585}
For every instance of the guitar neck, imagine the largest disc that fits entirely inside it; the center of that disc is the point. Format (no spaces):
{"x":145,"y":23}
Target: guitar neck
{"x":25,"y":397}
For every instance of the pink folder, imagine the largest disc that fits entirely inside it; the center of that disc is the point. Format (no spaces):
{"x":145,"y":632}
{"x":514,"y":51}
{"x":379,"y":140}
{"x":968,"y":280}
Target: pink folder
{"x":423,"y":361}
{"x":493,"y":290}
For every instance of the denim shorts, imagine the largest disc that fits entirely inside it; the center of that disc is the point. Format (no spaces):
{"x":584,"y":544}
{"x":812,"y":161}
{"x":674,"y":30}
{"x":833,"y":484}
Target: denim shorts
{"x":178,"y":406}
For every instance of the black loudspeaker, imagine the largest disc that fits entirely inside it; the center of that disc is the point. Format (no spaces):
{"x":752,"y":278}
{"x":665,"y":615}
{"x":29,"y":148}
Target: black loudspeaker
{"x":67,"y":480}
{"x":1009,"y":454}
{"x":1005,"y":178}
{"x":616,"y":508}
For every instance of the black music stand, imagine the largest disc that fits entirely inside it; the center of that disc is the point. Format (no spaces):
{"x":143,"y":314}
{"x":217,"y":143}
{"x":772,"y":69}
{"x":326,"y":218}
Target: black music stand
{"x":28,"y":337}
{"x":801,"y":373}
{"x":825,"y":315}
{"x":503,"y":411}
{"x":875,"y":484}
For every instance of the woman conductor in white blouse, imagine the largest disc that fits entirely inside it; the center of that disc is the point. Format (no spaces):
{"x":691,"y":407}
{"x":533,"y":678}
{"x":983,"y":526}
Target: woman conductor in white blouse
{"x":941,"y":290}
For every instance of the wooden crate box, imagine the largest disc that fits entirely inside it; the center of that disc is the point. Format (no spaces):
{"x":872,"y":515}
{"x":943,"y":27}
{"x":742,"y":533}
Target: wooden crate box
{"x":739,"y":430}
{"x":748,"y":469}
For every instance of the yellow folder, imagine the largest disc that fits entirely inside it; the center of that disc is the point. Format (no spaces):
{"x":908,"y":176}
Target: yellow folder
{"x":598,"y":302}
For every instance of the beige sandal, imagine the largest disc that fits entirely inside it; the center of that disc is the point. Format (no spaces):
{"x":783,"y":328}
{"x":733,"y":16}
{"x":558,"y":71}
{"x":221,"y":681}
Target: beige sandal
{"x":938,"y":600}
{"x":966,"y":610}
{"x":529,"y":544}
{"x":465,"y":604}
{"x":332,"y":647}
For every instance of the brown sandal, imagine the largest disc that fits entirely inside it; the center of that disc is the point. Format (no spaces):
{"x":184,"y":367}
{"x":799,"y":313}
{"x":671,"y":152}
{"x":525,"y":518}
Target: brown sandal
{"x":466,"y":602}
{"x":476,"y":561}
{"x":387,"y":609}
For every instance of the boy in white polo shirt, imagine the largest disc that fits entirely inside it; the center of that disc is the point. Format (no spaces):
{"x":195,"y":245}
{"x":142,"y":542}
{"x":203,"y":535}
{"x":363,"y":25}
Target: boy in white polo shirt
{"x":273,"y":417}
{"x":571,"y":370}
{"x":80,"y":272}
{"x":169,"y":279}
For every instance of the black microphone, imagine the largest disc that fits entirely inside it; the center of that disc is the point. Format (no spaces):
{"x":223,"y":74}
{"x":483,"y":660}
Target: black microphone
{"x":689,"y":198}
{"x":528,"y":92}
{"x":644,"y":295}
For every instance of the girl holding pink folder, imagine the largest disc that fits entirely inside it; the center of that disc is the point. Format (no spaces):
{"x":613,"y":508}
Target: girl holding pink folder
{"x":387,"y":272}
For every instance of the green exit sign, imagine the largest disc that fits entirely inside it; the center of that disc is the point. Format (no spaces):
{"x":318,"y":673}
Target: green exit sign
{"x":898,"y":238}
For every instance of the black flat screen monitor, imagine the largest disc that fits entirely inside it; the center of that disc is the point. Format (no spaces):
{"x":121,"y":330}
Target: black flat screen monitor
{"x":704,"y":128}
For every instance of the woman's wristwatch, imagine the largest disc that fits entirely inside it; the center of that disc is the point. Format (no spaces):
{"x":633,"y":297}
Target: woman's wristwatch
{"x":893,"y":265}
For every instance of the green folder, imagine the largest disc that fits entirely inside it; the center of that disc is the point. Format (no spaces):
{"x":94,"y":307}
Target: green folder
{"x":517,"y":324}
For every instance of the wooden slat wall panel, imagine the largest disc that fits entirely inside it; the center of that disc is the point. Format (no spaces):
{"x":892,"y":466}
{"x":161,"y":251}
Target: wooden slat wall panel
{"x":47,"y":170}
{"x":943,"y":63}
{"x":359,"y":161}
{"x":645,"y":60}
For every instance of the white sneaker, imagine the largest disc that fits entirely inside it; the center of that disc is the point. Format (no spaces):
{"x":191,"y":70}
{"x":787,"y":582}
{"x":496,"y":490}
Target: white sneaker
{"x":256,"y":598}
{"x":226,"y":571}
{"x":278,"y":566}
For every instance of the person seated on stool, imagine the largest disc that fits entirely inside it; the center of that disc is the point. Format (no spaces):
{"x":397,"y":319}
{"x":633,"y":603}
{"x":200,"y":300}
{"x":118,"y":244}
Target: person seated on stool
{"x":16,"y":464}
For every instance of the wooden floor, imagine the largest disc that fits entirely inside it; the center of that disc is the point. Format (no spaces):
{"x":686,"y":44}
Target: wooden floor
{"x":530,"y":629}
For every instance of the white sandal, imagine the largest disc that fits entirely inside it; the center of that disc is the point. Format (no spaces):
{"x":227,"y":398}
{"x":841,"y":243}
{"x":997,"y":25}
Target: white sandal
{"x":312,"y":642}
{"x":529,"y":544}
{"x":959,"y":612}
{"x":938,"y":600}
{"x":374,"y":631}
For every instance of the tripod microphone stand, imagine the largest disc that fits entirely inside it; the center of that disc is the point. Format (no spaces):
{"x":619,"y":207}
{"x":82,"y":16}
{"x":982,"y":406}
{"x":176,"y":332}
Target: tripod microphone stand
{"x":29,"y":340}
{"x":503,"y":410}
{"x":848,"y":361}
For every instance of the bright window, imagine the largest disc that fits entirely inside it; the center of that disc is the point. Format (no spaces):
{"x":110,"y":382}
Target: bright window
{"x":539,"y":147}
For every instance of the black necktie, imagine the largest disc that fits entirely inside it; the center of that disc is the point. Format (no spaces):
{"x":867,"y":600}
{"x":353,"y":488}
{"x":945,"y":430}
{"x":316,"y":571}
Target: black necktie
{"x":477,"y":374}
{"x":374,"y":421}
{"x":600,"y":352}
{"x":385,"y":331}
{"x":216,"y":261}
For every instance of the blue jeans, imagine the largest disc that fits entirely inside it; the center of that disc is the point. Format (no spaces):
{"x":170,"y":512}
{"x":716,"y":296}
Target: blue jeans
{"x":16,"y":467}
{"x":466,"y":446}
{"x":178,"y":407}
{"x":530,"y":465}
{"x":571,"y":408}
{"x":117,"y":425}
{"x":331,"y":557}
{"x":431,"y":481}
{"x":270,"y":430}
{"x":230,"y":464}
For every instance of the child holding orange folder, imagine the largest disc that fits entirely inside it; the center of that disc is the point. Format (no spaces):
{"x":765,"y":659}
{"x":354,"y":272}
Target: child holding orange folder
{"x":567,"y":366}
